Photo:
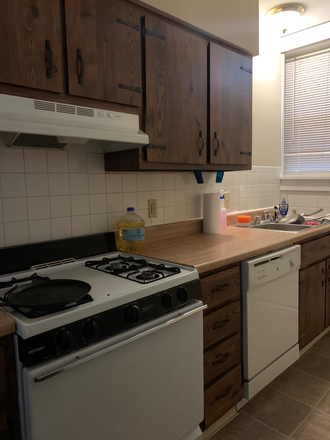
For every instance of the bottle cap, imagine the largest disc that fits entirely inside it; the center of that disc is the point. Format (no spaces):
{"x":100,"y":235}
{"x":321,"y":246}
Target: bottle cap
{"x":130,"y":209}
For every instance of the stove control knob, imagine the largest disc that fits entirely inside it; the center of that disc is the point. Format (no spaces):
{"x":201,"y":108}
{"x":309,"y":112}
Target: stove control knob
{"x":167,"y":300}
{"x":64,"y":340}
{"x":133,"y":314}
{"x":182,"y":294}
{"x":90,"y":330}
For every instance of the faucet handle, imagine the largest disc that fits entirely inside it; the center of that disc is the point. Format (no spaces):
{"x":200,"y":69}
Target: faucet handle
{"x":257,"y":220}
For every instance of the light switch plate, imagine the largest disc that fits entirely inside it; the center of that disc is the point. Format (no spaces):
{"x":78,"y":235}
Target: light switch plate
{"x":152,"y":208}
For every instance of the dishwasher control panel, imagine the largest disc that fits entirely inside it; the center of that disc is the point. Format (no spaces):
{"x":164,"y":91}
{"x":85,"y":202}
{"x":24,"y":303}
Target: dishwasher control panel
{"x":269,"y":267}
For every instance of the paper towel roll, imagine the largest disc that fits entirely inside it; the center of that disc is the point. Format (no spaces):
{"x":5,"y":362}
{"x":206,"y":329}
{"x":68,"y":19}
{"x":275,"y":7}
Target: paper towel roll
{"x":211,"y":213}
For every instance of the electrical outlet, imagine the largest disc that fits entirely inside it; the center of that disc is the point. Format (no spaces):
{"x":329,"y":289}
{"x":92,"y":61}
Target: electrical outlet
{"x":152,"y":208}
{"x":227,"y":199}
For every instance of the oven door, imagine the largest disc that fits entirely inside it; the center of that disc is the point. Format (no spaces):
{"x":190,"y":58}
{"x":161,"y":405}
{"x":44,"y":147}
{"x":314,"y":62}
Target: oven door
{"x":146,"y":383}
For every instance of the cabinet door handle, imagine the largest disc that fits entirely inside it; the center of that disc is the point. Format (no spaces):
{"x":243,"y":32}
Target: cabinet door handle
{"x":225,"y":393}
{"x":49,"y":70}
{"x":203,"y":142}
{"x":81,"y":75}
{"x":221,"y":324}
{"x":218,"y":143}
{"x":221,"y":360}
{"x":324,"y":279}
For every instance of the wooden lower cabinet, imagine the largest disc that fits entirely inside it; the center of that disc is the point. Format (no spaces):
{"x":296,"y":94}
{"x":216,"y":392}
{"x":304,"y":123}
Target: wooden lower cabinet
{"x":222,"y":343}
{"x":222,"y":396}
{"x":9,"y":418}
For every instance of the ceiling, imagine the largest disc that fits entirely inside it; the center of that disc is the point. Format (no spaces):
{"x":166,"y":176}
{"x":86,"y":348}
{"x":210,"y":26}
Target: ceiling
{"x":316,"y":12}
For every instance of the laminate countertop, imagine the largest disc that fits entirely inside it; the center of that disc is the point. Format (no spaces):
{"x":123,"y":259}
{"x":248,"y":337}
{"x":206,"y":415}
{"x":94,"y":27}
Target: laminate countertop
{"x":7,"y":324}
{"x":208,"y":252}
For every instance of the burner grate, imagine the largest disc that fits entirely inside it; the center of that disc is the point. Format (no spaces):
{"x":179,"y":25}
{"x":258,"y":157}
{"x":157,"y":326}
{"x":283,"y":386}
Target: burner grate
{"x":133,"y":269}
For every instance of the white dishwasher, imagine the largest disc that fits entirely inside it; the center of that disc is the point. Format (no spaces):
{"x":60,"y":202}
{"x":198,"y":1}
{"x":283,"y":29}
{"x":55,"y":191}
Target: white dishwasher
{"x":270,"y":286}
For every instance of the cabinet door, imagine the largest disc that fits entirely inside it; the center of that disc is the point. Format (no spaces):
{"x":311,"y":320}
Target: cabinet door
{"x":327,"y":297}
{"x":230,"y":106}
{"x":31,"y":44}
{"x":104,"y":50}
{"x":312,"y":289}
{"x":176,"y":93}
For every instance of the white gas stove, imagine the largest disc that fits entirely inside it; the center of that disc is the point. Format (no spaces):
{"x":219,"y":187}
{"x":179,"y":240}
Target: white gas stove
{"x":112,"y":324}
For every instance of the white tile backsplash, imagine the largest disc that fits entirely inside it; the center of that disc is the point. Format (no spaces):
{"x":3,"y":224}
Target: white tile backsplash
{"x":35,"y":161}
{"x":54,"y":194}
{"x":12,"y":185}
{"x":57,"y":161}
{"x":37,"y":185}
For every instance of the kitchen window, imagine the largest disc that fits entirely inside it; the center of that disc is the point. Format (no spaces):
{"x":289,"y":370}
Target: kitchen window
{"x":306,"y":152}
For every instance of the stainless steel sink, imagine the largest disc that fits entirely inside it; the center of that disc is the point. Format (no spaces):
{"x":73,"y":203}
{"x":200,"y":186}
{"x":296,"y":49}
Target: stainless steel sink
{"x":283,"y":227}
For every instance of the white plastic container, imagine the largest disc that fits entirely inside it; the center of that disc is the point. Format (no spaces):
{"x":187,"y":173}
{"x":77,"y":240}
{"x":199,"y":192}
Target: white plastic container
{"x":131,"y":232}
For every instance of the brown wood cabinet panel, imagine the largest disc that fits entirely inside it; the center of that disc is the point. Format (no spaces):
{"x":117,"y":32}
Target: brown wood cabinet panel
{"x":25,"y":25}
{"x":327,"y":296}
{"x":221,"y":288}
{"x":230,"y":106}
{"x":222,"y":358}
{"x":312,"y":289}
{"x":176,"y":93}
{"x":109,"y":61}
{"x":222,"y":323}
{"x":314,"y":251}
{"x":9,"y":416}
{"x":222,"y":396}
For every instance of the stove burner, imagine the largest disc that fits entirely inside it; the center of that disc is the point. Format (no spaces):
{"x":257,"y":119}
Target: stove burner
{"x":117,"y":266}
{"x":147,"y":274}
{"x":134,"y":269}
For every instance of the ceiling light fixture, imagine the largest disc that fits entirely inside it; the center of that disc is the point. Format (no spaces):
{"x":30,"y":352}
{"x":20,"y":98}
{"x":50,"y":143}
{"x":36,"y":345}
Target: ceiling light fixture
{"x":286,"y":14}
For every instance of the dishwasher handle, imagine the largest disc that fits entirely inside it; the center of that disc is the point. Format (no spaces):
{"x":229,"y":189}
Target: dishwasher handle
{"x":120,"y":344}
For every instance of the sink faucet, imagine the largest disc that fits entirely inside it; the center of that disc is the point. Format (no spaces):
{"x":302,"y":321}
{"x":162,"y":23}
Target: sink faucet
{"x":268,"y":214}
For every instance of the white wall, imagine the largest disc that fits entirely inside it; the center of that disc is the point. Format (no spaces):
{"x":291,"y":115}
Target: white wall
{"x":234,"y":21}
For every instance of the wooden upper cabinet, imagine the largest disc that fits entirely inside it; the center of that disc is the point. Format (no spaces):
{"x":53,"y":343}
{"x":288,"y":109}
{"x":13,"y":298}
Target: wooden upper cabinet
{"x":176,"y":93}
{"x":104,"y":50}
{"x":230,"y":106}
{"x":31,"y":44}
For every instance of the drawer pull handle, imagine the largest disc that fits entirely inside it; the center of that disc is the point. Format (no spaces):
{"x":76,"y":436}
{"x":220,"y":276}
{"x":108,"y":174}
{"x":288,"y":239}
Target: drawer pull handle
{"x":225,"y":393}
{"x":221,"y":324}
{"x":220,"y":289}
{"x":221,"y":360}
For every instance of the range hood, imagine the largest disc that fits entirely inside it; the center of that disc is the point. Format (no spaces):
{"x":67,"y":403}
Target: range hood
{"x":45,"y":124}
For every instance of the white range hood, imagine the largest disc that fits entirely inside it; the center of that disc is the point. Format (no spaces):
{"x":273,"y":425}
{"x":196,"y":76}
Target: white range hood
{"x":46,"y":124}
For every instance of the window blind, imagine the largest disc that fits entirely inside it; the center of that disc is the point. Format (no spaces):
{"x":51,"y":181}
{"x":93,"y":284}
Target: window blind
{"x":307,"y":113}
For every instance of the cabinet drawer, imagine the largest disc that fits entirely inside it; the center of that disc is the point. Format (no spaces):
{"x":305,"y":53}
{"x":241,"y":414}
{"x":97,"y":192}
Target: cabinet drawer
{"x":221,"y":288}
{"x":222,"y":323}
{"x":315,"y":251}
{"x":222,"y":358}
{"x":222,"y":396}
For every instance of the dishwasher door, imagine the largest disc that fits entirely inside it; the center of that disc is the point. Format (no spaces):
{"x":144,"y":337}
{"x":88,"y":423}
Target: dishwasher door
{"x":270,"y":287}
{"x":142,"y":384}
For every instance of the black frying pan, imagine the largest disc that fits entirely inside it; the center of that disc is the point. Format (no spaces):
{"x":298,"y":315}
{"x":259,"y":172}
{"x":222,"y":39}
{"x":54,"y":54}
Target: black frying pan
{"x":46,"y":294}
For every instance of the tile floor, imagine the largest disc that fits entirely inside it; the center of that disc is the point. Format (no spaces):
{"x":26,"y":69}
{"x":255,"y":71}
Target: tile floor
{"x":296,"y":405}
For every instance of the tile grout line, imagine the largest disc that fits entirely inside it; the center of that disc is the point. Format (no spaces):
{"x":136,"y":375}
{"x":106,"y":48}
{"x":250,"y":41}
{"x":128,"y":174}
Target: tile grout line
{"x":297,"y":400}
{"x":316,"y":377}
{"x":317,"y":352}
{"x":264,"y":424}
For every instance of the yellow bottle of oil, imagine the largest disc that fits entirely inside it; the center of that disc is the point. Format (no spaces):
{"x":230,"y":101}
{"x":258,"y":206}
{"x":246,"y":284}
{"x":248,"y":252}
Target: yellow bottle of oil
{"x":131,"y":235}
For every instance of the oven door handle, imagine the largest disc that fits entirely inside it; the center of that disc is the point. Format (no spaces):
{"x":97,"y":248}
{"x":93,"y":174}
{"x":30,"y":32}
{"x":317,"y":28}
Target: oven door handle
{"x":120,"y":344}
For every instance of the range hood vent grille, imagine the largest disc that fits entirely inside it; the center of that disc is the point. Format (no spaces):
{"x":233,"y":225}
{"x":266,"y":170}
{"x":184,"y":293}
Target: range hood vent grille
{"x":44,"y":105}
{"x":65,"y":108}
